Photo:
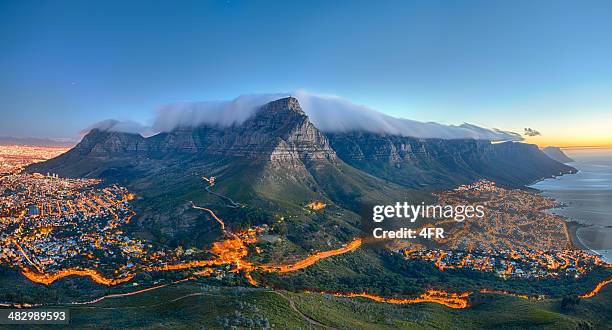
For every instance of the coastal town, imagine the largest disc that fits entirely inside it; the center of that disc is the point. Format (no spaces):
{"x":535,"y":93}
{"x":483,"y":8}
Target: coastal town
{"x":512,"y":264}
{"x":49,"y":224}
{"x":515,"y":238}
{"x":514,"y":219}
{"x":13,"y":158}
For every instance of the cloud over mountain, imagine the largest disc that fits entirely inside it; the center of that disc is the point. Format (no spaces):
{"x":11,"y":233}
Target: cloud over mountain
{"x":115,"y":125}
{"x":335,"y":114}
{"x":328,"y":113}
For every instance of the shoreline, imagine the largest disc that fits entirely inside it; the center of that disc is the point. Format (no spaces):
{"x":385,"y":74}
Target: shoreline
{"x":572,"y":228}
{"x":536,"y":181}
{"x":572,"y":225}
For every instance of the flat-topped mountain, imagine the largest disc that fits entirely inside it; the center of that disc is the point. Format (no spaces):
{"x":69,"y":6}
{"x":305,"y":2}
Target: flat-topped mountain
{"x":280,"y":130}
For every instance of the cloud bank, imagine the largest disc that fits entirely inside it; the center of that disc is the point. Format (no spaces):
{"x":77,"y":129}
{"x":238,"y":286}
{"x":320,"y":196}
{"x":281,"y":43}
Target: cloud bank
{"x":334,"y":114}
{"x":330,"y":114}
{"x":114,"y":125}
{"x":213,"y":113}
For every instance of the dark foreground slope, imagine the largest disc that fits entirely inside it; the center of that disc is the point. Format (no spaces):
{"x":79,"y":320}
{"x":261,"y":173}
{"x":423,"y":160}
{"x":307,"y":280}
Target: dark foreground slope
{"x":437,"y":163}
{"x":195,"y":306}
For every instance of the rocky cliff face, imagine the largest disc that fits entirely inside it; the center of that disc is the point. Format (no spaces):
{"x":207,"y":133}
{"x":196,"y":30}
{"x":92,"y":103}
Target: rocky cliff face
{"x":280,"y":129}
{"x":104,"y":144}
{"x":437,"y":163}
{"x":279,"y":132}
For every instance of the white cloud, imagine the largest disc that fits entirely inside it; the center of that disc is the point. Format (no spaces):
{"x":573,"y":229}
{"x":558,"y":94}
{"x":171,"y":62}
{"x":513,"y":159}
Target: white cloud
{"x":328,"y":113}
{"x":114,"y":125}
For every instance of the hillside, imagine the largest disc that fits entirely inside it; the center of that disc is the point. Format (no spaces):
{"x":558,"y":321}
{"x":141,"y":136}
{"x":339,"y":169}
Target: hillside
{"x":438,"y":164}
{"x":193,"y":305}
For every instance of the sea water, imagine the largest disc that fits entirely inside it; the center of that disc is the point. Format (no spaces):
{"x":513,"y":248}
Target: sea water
{"x":586,"y":197}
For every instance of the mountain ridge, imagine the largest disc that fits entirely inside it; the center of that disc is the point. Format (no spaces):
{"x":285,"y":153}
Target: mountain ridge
{"x":557,"y":154}
{"x":439,"y":163}
{"x":280,"y":131}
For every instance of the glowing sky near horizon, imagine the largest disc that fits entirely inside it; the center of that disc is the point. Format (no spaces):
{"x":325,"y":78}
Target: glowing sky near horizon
{"x":546,"y":65}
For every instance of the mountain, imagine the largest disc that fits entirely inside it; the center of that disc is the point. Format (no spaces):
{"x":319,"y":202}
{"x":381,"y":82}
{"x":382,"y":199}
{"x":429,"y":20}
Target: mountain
{"x":557,"y":154}
{"x":438,"y":163}
{"x":276,"y":162}
{"x":273,"y":164}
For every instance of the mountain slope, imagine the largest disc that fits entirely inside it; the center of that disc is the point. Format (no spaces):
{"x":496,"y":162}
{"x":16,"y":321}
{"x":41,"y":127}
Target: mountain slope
{"x":437,"y":163}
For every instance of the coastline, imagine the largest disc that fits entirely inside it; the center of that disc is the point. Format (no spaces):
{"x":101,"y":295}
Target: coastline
{"x":572,"y":229}
{"x":550,"y":177}
{"x":572,"y":226}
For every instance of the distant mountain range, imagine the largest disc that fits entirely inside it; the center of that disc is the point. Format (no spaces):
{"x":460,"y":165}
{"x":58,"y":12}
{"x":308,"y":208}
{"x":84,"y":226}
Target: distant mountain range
{"x":277,"y":161}
{"x":557,"y":154}
{"x":9,"y":140}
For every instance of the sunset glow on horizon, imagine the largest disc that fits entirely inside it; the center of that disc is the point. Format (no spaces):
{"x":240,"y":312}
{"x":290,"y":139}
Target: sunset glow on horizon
{"x":575,"y":130}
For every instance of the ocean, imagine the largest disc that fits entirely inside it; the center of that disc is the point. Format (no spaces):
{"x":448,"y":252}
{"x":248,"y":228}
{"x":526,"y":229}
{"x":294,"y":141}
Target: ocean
{"x":587,"y":197}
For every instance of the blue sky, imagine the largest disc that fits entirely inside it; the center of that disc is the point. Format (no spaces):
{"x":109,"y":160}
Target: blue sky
{"x":505,"y":64}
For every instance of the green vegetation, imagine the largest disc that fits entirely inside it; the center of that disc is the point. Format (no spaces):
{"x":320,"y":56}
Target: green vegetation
{"x":196,"y":305}
{"x":382,"y":272}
